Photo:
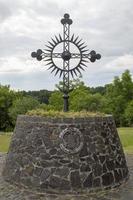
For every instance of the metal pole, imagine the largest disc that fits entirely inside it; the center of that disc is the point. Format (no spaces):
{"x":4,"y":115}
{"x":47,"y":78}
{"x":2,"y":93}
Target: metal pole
{"x":66,"y":103}
{"x":66,"y":48}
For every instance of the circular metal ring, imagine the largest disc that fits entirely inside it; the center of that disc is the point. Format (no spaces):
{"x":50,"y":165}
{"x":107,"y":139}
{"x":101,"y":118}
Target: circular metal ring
{"x":73,"y":67}
{"x":80,"y":46}
{"x":71,"y":140}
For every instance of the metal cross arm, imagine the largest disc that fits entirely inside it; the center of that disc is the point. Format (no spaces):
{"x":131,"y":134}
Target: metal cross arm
{"x":92,"y":56}
{"x":82,"y":55}
{"x":42,"y":55}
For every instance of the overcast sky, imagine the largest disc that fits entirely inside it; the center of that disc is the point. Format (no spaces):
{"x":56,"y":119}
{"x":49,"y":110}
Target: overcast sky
{"x":26,"y":25}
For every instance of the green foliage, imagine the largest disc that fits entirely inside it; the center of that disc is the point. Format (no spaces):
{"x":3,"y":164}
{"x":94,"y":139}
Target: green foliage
{"x":116,"y":106}
{"x":82,"y":99}
{"x":79,"y":98}
{"x":60,"y":114}
{"x":110,"y":99}
{"x":6,"y":99}
{"x":115,"y":98}
{"x":45,"y":107}
{"x":21,"y":106}
{"x":118,"y":95}
{"x":129,"y":113}
{"x":73,"y":84}
{"x":42,"y":95}
{"x":127,"y":86}
{"x":100,"y":89}
{"x":56,"y":100}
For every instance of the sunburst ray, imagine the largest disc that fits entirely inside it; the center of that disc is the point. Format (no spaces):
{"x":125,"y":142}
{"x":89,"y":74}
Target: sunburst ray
{"x":57,"y":39}
{"x":54,"y":68}
{"x":83,"y":47}
{"x":60,"y":38}
{"x":80,"y":45}
{"x":78,"y":69}
{"x":49,"y":63}
{"x":74,"y":72}
{"x":54,"y":41}
{"x":77,"y":43}
{"x":83,"y":60}
{"x":83,"y":64}
{"x":76,"y":39}
{"x":51,"y":67}
{"x":49,"y":50}
{"x":51,"y":43}
{"x":83,"y":51}
{"x":48,"y":59}
{"x":57,"y":71}
{"x":81,"y":67}
{"x":61,"y":73}
{"x":72,"y":38}
{"x":49,"y":47}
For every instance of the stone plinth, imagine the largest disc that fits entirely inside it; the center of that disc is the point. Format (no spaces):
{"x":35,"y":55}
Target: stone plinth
{"x":65,"y":155}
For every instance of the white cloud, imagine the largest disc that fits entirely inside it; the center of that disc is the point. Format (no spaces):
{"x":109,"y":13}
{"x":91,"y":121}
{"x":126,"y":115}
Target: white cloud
{"x":105,"y":26}
{"x":121,"y":63}
{"x":20,"y":65}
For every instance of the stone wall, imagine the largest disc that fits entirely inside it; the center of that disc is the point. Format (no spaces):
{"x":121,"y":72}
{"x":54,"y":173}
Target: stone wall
{"x":65,"y":154}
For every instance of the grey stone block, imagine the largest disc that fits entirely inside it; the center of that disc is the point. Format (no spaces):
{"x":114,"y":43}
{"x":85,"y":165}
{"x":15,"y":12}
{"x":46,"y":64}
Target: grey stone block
{"x":45,"y":174}
{"x":75,"y":179}
{"x":88,"y":181}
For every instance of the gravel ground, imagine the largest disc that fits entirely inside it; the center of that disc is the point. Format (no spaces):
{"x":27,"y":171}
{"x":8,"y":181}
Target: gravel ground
{"x":9,"y":192}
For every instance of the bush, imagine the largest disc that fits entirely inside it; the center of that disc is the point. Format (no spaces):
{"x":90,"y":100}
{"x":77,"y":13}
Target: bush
{"x":56,"y":100}
{"x":21,"y":106}
{"x":81,"y":99}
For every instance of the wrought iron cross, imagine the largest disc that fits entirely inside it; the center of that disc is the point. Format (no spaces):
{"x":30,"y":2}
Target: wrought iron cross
{"x":66,"y":55}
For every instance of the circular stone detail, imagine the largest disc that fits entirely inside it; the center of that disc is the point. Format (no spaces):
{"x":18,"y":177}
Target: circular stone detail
{"x":71,"y":140}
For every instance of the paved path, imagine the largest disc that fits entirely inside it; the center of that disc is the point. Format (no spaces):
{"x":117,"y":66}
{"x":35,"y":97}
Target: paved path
{"x":9,"y":192}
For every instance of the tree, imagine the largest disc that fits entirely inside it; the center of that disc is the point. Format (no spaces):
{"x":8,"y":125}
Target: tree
{"x":118,"y":94}
{"x":127,"y":85}
{"x":98,"y":89}
{"x":129,"y":113}
{"x":82,"y":99}
{"x":56,"y":100}
{"x":79,"y":98}
{"x":21,"y":106}
{"x":6,"y":99}
{"x":96,"y":103}
{"x":42,"y":95}
{"x":116,"y":107}
{"x":73,"y":84}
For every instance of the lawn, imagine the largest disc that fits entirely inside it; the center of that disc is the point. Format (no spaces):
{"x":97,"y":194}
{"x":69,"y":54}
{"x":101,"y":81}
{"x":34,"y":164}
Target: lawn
{"x":4,"y":141}
{"x":126,"y":136}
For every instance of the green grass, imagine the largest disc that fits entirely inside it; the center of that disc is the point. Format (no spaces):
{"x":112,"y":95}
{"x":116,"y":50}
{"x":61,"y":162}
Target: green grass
{"x":61,"y":114}
{"x":126,"y":136}
{"x":4,"y":141}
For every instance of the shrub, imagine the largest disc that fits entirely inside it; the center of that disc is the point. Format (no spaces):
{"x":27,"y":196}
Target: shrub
{"x":21,"y":106}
